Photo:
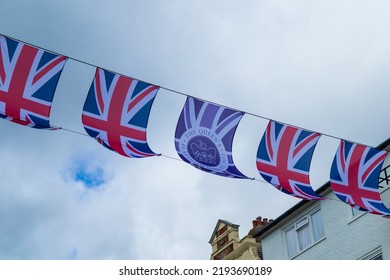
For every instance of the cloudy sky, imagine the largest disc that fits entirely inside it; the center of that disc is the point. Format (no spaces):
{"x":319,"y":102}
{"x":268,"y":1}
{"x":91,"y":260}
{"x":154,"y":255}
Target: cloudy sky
{"x":320,"y":65}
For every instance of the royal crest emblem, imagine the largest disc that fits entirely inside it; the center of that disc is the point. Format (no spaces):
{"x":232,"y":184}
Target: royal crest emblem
{"x":203,"y":150}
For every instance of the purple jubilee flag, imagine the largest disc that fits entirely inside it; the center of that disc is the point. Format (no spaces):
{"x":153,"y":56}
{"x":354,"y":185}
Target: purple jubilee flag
{"x":284,"y":157}
{"x":116,"y":113}
{"x":204,"y":136}
{"x":354,"y":177}
{"x":28,"y":80}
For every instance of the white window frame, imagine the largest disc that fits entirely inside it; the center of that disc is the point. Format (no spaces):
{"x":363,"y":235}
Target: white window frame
{"x":302,"y":222}
{"x":373,"y":255}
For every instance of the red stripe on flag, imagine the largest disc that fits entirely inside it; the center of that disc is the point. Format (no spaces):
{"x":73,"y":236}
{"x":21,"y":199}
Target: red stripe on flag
{"x":45,"y":69}
{"x":373,"y":166}
{"x":113,"y":125}
{"x":14,"y":98}
{"x":304,"y":143}
{"x":141,"y":96}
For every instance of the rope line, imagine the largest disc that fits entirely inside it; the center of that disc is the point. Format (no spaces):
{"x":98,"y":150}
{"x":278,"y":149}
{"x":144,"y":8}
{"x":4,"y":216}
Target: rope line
{"x":180,"y":92}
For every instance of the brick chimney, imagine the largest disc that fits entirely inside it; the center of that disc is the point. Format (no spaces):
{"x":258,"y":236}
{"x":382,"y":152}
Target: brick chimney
{"x":261,"y":222}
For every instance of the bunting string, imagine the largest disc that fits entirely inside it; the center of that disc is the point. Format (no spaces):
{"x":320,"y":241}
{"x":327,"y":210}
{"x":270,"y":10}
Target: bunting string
{"x":116,"y":113}
{"x":183,"y":93}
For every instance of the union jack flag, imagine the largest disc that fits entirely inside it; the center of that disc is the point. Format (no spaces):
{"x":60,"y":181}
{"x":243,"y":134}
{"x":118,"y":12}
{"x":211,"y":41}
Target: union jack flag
{"x":116,"y":113}
{"x":284,"y":157}
{"x":354,"y":177}
{"x":28,"y":79}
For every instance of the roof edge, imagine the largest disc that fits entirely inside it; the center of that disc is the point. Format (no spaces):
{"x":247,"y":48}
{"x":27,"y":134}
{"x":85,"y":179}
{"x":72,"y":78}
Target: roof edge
{"x":217,"y":225}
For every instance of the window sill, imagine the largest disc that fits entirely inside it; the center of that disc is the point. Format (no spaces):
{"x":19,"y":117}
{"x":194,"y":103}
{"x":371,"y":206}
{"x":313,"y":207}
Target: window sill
{"x":354,"y":218}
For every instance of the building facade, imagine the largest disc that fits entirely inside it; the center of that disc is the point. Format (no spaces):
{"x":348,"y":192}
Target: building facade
{"x":227,"y":245}
{"x":329,"y":229}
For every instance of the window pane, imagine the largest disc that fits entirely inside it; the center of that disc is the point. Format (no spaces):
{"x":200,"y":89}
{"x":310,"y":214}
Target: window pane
{"x":304,"y":237}
{"x":318,"y":227}
{"x":302,"y":223}
{"x":291,"y":239}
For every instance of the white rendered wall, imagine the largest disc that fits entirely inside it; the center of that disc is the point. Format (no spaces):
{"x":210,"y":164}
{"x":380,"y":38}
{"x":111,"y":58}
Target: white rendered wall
{"x":345,"y":237}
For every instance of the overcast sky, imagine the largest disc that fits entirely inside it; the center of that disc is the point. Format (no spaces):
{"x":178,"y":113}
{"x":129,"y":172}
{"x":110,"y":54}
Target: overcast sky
{"x":320,"y":65}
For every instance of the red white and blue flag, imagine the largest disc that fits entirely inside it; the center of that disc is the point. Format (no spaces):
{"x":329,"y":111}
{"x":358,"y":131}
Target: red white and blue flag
{"x":354,"y":177}
{"x":28,"y":80}
{"x":283,"y":159}
{"x":116,"y":113}
{"x":204,"y":136}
